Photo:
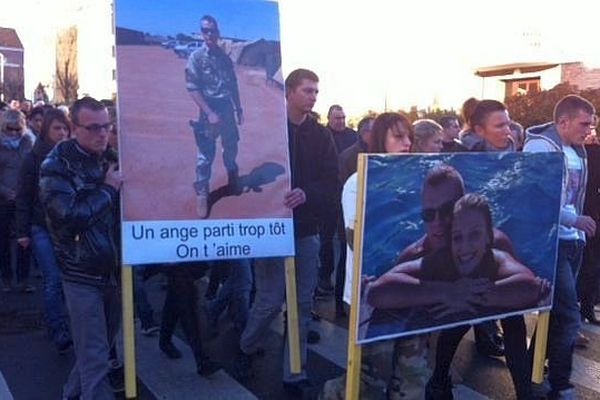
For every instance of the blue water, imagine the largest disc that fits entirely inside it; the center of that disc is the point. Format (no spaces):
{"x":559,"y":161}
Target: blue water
{"x":524,"y":191}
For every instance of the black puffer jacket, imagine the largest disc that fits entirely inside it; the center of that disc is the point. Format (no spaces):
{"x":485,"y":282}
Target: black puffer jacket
{"x":81,"y":212}
{"x":29,"y":208}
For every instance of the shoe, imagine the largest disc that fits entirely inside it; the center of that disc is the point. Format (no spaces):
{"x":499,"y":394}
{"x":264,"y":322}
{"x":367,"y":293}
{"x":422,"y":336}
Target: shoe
{"x":340,"y":311}
{"x":29,"y":289}
{"x":202,"y":206}
{"x":243,"y":366}
{"x":300,"y":389}
{"x":207,"y":367}
{"x":63,"y":341}
{"x":170,"y":350}
{"x":150,"y":330}
{"x":587,"y":313}
{"x":313,"y":337}
{"x":439,"y":390}
{"x":116,"y":377}
{"x":490,"y":345}
{"x":565,"y":394}
{"x":233,"y":183}
{"x":321,"y":293}
{"x":581,"y":341}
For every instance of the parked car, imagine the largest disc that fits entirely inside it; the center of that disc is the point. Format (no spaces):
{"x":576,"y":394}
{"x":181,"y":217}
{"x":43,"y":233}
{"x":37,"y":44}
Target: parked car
{"x":184,"y":50}
{"x":169,"y":44}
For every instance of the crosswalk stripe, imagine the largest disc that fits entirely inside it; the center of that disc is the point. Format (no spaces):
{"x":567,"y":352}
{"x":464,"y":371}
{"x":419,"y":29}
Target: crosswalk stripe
{"x":4,"y":390}
{"x":177,"y":379}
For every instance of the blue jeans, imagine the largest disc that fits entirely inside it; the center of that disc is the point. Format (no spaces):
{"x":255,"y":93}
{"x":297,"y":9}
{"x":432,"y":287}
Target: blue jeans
{"x":564,"y":317}
{"x":269,"y":274}
{"x":43,"y":251}
{"x":142,"y":305}
{"x":234,"y":293}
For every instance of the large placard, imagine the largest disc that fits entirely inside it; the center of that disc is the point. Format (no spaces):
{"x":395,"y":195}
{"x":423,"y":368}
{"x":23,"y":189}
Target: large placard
{"x":202,"y":124}
{"x":456,"y":239}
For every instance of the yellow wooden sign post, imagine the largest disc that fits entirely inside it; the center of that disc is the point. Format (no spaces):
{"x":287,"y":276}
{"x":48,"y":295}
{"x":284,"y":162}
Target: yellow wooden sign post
{"x":292,"y":315}
{"x":354,"y":349}
{"x":128,"y":332}
{"x":541,"y":340}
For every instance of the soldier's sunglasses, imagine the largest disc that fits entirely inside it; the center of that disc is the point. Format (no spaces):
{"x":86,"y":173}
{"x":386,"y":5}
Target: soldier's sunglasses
{"x":206,"y":31}
{"x":443,"y":211}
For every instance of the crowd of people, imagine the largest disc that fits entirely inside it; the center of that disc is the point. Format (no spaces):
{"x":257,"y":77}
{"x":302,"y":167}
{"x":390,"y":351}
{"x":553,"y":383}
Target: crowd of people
{"x":59,"y":212}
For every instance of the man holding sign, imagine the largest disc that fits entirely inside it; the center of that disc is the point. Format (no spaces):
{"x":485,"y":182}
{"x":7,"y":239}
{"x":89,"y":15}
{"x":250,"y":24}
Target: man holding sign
{"x":314,"y":173}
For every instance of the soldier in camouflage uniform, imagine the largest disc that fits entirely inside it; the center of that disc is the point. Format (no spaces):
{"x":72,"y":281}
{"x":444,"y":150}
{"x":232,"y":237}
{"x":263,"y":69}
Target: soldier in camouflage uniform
{"x":211,"y":81}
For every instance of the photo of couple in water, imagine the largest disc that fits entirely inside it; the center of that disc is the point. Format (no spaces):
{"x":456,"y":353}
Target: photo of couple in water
{"x":455,"y":239}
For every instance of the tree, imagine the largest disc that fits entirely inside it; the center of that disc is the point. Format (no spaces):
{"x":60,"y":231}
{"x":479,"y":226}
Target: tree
{"x":66,"y":80}
{"x":537,"y":107}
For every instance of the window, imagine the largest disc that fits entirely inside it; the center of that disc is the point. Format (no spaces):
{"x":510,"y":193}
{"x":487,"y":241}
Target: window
{"x":522,"y":86}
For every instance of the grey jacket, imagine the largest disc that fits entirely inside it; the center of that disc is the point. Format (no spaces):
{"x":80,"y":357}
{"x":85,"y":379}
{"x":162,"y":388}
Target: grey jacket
{"x":10,"y":162}
{"x":544,"y":139}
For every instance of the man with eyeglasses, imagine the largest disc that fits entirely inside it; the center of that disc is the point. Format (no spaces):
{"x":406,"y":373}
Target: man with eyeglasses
{"x":574,"y":119}
{"x":212,"y":84}
{"x":79,"y":188}
{"x":14,"y":145}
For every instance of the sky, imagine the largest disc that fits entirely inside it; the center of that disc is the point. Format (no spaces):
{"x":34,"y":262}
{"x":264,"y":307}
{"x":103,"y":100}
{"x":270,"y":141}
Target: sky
{"x":371,"y":52}
{"x":417,"y":52}
{"x":243,"y":19}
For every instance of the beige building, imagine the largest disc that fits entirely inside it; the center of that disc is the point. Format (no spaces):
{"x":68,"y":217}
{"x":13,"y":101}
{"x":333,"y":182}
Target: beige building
{"x":48,"y":28}
{"x":501,"y":81}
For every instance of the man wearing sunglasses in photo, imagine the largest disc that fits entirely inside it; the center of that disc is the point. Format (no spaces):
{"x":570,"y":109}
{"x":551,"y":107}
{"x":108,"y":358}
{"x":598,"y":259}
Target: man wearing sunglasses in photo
{"x":212,"y":84}
{"x":13,"y":147}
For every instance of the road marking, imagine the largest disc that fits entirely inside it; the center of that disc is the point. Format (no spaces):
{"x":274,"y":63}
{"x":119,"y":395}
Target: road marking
{"x":177,"y":379}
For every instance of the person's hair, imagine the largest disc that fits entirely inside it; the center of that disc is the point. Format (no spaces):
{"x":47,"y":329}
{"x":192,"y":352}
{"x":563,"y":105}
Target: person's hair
{"x":424,"y":129}
{"x":295,"y":78}
{"x":88,"y":103}
{"x":50,"y":116}
{"x":467,"y":109}
{"x":332,"y":108}
{"x":477,"y":202}
{"x":210,"y":19}
{"x":363,"y":123}
{"x":444,"y":173}
{"x":482,"y":111}
{"x":446,"y":120}
{"x":11,"y":117}
{"x":385,"y":122}
{"x":36,"y":111}
{"x":517,"y":128}
{"x":570,"y":105}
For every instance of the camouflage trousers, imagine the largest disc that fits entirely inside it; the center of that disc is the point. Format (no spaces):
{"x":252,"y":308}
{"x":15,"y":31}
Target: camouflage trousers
{"x":410,"y":373}
{"x":410,"y":368}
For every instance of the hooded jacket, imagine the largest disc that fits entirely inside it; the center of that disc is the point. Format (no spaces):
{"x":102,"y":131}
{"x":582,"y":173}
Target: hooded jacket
{"x":544,"y":139}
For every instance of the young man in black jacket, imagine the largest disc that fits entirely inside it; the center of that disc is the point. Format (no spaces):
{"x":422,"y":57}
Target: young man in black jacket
{"x":314,"y":174}
{"x":79,"y":192}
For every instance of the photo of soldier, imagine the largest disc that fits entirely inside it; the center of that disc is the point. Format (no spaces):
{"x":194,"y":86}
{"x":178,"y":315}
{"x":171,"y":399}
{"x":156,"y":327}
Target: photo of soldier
{"x":212,"y":84}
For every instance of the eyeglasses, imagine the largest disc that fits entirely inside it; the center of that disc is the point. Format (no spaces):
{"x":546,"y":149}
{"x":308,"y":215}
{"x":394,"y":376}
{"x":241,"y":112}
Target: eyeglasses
{"x":206,"y":31}
{"x":13,"y":129}
{"x":443,"y":211}
{"x":97,"y":128}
